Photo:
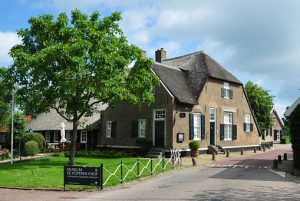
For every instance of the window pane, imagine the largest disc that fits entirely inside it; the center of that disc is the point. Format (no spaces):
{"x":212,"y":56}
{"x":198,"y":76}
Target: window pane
{"x":142,"y":127}
{"x":108,"y":129}
{"x":197,"y":126}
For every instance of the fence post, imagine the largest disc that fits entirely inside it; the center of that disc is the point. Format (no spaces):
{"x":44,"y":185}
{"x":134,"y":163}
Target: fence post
{"x":101,"y":176}
{"x":138,"y":167}
{"x":151,"y":165}
{"x":121,"y":172}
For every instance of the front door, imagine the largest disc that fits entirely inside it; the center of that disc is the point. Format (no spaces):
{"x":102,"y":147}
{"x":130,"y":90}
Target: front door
{"x":212,"y":126}
{"x":275,"y":135}
{"x":212,"y":133}
{"x":159,"y":127}
{"x":159,"y":133}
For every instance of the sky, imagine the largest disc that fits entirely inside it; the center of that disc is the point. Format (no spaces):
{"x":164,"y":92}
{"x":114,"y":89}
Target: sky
{"x":255,"y":40}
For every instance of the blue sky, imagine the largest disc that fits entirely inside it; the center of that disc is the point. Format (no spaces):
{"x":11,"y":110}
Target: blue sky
{"x":255,"y":40}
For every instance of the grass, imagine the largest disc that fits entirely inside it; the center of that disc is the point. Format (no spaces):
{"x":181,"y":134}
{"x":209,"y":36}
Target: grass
{"x":48,"y":172}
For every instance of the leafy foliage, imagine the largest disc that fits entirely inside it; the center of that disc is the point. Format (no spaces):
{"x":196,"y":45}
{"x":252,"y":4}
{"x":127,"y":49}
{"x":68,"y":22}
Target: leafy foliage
{"x":261,"y":102}
{"x":194,"y":145}
{"x":31,"y":148}
{"x":73,"y":65}
{"x":37,"y":137}
{"x":5,"y":98}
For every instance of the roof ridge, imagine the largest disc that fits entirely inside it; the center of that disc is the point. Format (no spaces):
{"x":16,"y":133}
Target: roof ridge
{"x":178,"y":57}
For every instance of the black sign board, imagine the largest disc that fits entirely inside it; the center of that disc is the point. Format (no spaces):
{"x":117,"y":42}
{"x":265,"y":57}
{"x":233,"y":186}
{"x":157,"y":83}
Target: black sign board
{"x":78,"y":175}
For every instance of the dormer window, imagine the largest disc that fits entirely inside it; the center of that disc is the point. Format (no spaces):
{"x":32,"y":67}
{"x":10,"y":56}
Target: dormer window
{"x":226,"y":92}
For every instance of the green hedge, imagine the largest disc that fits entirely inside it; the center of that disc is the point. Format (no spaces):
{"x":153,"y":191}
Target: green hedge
{"x":100,"y":154}
{"x":285,"y":140}
{"x":31,"y":148}
{"x":37,"y":137}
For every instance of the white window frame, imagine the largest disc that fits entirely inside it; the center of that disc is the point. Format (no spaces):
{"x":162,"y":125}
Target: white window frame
{"x":83,"y":136}
{"x":47,"y":136}
{"x":159,"y":115}
{"x":228,"y":119}
{"x":108,"y":129}
{"x":142,"y":128}
{"x":247,"y":122}
{"x":226,"y":90}
{"x":212,"y":114}
{"x":56,"y":135}
{"x":197,"y":126}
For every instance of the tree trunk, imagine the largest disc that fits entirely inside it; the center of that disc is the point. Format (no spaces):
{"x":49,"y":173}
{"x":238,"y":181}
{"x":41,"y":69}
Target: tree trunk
{"x":73,"y":143}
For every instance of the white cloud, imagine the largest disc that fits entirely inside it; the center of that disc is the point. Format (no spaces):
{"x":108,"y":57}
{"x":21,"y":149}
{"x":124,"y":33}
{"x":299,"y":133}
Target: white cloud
{"x":8,"y":40}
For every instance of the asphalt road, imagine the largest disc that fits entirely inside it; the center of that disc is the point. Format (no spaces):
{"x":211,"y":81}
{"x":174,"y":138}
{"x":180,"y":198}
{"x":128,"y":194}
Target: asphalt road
{"x":245,"y":178}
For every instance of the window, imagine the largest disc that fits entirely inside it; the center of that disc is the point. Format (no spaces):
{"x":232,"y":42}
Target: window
{"x":226,"y":92}
{"x":197,"y":126}
{"x":47,"y":136}
{"x":160,"y":115}
{"x":196,"y":122}
{"x":2,"y":138}
{"x":247,"y":126}
{"x":83,"y":136}
{"x":212,"y":114}
{"x":142,"y":128}
{"x":56,"y":136}
{"x":227,"y":125}
{"x":68,"y":135}
{"x":108,"y":129}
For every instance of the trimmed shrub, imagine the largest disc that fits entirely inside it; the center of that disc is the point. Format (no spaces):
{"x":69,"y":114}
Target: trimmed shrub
{"x":37,"y":137}
{"x":285,"y":140}
{"x":31,"y":148}
{"x":194,"y":145}
{"x":100,"y":154}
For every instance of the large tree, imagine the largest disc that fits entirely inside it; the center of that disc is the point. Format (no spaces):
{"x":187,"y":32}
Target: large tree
{"x":5,"y":98}
{"x":261,"y":102}
{"x":73,"y":65}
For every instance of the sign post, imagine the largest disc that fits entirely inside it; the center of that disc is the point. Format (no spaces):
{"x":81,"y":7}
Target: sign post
{"x":79,"y":175}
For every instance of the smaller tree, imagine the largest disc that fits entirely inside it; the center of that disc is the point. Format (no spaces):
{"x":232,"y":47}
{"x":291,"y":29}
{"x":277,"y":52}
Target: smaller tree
{"x":261,"y":102}
{"x":5,"y":98}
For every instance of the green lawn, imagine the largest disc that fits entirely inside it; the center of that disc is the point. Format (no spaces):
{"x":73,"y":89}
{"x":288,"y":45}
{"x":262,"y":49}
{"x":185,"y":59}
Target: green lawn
{"x":48,"y":172}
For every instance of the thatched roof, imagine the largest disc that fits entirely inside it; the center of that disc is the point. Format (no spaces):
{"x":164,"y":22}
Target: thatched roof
{"x":186,"y":75}
{"x":52,"y":121}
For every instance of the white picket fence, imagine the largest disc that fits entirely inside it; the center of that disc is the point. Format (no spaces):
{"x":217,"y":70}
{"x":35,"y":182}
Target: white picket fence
{"x":139,"y":168}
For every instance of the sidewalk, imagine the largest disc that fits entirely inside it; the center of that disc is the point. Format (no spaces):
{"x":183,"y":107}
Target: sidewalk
{"x":25,"y":158}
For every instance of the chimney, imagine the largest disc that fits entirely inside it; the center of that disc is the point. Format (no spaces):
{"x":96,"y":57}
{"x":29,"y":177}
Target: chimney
{"x":143,"y":54}
{"x":160,"y":55}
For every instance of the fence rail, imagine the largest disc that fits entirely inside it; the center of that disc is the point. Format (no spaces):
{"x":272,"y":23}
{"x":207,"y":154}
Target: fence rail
{"x":139,"y":169}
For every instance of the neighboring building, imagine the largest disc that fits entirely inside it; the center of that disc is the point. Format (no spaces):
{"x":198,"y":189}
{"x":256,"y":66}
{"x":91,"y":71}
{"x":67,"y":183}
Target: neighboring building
{"x":273,"y":134}
{"x":49,"y":125}
{"x":277,"y":126}
{"x":197,"y":99}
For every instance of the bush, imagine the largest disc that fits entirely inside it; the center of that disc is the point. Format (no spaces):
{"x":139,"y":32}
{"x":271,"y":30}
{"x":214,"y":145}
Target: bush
{"x":285,"y":140}
{"x":5,"y":154}
{"x":99,"y":154}
{"x":37,"y":137}
{"x":31,"y":148}
{"x":194,"y":145}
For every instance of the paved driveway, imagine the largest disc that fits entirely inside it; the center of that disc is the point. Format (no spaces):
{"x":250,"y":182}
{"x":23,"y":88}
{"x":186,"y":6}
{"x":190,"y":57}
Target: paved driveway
{"x":195,"y":183}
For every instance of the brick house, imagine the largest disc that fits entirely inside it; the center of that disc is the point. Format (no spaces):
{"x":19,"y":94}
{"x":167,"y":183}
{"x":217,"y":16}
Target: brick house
{"x":197,"y":99}
{"x":49,"y":125}
{"x":273,"y":134}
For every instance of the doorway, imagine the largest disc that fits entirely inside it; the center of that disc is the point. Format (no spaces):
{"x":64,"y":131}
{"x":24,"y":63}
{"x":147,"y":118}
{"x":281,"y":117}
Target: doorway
{"x":159,"y":127}
{"x":212,"y":126}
